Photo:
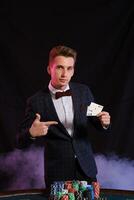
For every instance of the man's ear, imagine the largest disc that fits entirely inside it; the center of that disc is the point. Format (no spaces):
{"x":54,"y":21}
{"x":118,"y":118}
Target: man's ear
{"x":72,"y":73}
{"x":48,"y":69}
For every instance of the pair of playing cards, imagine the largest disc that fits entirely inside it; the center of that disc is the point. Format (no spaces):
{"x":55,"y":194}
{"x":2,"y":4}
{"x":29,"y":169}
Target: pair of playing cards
{"x":94,"y":109}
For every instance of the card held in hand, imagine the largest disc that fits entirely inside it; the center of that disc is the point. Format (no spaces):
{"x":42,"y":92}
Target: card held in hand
{"x":94,"y":109}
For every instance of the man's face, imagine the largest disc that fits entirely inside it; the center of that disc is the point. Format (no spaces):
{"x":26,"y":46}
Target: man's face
{"x":61,"y":71}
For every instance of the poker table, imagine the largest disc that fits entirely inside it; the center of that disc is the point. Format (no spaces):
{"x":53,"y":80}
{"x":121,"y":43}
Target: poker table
{"x":36,"y":194}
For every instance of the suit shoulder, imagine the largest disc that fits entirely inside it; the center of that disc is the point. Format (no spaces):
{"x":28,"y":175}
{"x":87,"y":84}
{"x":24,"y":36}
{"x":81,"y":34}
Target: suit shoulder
{"x":82,"y":90}
{"x":79,"y":86}
{"x":35,"y":97}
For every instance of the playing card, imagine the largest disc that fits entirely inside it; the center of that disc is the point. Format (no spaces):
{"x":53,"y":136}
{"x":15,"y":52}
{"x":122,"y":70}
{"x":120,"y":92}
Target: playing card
{"x":94,"y":109}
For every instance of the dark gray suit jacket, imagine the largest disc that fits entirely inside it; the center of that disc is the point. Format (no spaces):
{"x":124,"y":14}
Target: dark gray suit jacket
{"x":60,"y":148}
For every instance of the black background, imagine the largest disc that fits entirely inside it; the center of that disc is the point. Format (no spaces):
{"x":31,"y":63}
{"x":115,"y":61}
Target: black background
{"x":102,"y":32}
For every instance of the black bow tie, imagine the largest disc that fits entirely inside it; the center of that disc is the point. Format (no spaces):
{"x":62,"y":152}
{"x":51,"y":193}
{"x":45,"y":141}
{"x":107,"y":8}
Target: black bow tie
{"x":61,"y":94}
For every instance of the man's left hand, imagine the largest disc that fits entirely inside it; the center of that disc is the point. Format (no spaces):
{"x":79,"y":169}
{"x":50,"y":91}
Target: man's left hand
{"x":104,"y":118}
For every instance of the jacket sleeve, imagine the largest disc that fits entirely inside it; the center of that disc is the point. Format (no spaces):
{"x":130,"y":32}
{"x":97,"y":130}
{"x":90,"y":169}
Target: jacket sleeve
{"x":23,"y":137}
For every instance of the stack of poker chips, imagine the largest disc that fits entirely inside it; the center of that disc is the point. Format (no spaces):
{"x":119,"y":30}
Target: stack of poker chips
{"x":71,"y":190}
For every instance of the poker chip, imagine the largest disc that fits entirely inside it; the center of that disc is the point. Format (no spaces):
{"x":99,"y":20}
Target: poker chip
{"x":71,"y":196}
{"x":74,"y":190}
{"x":79,"y":195}
{"x":86,"y":194}
{"x":96,"y":188}
{"x":75,"y":185}
{"x":65,"y":197}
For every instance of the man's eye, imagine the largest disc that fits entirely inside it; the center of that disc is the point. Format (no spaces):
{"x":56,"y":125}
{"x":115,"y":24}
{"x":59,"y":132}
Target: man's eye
{"x":70,"y":68}
{"x":59,"y":67}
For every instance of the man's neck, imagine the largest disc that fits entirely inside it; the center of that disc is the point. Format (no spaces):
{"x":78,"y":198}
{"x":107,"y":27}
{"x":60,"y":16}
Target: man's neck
{"x":59,"y":88}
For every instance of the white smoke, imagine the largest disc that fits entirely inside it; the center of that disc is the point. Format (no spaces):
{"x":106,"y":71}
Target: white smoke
{"x":115,"y":172}
{"x":26,"y":170}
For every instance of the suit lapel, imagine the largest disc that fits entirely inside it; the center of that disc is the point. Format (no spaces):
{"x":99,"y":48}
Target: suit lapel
{"x":50,"y":109}
{"x":76,"y":105}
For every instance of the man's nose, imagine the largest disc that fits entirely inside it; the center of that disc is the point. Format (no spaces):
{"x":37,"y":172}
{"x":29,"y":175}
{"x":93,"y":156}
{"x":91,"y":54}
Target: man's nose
{"x":64,"y":72}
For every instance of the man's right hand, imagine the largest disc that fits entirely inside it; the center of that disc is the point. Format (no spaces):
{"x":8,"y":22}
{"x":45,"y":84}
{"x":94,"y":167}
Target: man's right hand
{"x":39,"y":128}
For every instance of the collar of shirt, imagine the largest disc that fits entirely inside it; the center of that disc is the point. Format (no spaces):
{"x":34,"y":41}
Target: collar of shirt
{"x":64,"y":108}
{"x":54,"y":90}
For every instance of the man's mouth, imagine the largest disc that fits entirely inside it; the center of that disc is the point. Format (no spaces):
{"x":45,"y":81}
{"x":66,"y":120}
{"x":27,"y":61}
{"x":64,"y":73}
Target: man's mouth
{"x":63,"y":80}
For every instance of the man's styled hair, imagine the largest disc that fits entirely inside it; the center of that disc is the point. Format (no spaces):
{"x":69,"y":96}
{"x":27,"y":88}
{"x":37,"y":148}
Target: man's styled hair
{"x":62,"y":50}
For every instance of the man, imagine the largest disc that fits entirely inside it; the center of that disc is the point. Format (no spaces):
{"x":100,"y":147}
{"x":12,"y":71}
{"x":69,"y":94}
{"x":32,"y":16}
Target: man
{"x":61,"y":122}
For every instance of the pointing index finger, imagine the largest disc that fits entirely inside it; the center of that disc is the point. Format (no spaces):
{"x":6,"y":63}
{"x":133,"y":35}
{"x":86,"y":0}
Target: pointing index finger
{"x":49,"y":123}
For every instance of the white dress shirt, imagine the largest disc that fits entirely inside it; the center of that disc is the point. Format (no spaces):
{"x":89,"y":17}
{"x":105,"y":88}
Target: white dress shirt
{"x":64,"y":108}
